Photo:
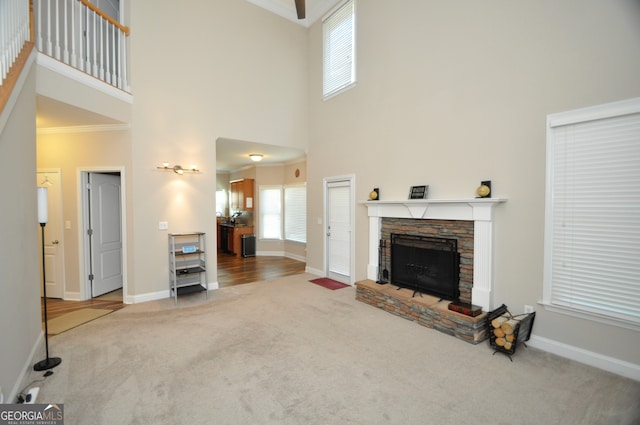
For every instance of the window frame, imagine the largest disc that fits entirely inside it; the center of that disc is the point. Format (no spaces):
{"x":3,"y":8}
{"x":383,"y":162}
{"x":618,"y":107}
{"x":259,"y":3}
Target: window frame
{"x":326,"y":21}
{"x":614,"y":110}
{"x":261,"y":217}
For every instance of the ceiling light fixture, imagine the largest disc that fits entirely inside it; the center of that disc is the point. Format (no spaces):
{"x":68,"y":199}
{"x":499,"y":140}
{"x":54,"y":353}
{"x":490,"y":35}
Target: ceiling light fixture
{"x":255,"y":157}
{"x":178,"y":168}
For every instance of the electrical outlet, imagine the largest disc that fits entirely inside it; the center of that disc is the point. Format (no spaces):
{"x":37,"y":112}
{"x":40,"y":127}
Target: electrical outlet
{"x":528,"y":308}
{"x":163,"y":225}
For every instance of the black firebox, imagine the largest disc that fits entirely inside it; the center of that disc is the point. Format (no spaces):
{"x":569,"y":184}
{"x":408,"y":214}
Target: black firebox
{"x":426,"y":265}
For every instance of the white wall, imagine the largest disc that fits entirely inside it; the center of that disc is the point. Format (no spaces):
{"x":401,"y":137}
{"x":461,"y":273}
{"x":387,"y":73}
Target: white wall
{"x":450,"y":93}
{"x":208,"y":69}
{"x":20,"y":253}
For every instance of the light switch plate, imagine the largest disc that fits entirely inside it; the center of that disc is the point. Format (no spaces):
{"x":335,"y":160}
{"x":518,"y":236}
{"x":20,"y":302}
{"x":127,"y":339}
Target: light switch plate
{"x":163,"y":225}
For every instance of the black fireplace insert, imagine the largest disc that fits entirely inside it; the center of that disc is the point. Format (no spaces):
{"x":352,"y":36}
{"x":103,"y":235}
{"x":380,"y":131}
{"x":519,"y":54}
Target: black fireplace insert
{"x":426,"y":265}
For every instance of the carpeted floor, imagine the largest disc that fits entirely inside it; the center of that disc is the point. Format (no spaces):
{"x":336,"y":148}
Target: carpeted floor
{"x":289,"y":352}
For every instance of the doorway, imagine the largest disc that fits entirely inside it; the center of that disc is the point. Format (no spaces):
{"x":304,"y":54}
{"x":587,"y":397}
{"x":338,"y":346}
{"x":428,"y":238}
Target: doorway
{"x":339,"y":231}
{"x":103,"y":232}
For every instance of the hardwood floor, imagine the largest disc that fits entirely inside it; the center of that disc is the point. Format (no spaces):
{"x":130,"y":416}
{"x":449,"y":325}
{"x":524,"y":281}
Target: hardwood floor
{"x":57,"y":307}
{"x":236,"y":270}
{"x":232,"y":270}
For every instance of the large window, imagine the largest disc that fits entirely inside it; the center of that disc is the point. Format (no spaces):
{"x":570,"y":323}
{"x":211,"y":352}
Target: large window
{"x":295,"y":213}
{"x":339,"y":48}
{"x":271,"y":212}
{"x":592,"y":223}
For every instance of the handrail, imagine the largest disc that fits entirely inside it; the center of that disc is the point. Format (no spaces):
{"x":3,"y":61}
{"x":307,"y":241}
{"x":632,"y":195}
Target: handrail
{"x":106,"y":17}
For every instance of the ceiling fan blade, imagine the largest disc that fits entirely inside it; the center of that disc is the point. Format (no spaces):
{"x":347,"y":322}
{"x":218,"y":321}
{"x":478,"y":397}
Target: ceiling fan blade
{"x":300,"y":9}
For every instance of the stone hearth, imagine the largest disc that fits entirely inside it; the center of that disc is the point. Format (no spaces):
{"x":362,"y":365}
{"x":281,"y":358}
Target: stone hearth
{"x":426,"y":310}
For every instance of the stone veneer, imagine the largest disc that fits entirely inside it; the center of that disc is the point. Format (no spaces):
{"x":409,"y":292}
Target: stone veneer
{"x":426,"y":310}
{"x":460,"y":230}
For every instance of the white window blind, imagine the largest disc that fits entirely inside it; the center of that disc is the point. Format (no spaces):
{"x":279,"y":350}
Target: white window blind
{"x":270,"y":212}
{"x":295,"y":213}
{"x":339,"y":41}
{"x":592,"y":230}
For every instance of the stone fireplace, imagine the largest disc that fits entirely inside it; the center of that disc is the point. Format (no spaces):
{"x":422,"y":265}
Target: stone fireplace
{"x":470,"y":223}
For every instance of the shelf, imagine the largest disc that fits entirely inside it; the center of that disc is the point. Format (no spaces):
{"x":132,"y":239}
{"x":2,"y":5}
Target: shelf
{"x":187,"y":270}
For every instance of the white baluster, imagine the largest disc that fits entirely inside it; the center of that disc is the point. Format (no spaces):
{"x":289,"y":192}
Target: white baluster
{"x":102,"y":23}
{"x":74,"y":62}
{"x":65,"y":56}
{"x":94,"y":69}
{"x":57,"y":31}
{"x":38,"y":19}
{"x":49,"y":45}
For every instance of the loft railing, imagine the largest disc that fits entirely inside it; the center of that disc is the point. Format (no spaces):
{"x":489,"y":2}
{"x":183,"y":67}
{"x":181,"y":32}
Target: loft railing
{"x":80,"y":35}
{"x":14,"y":33}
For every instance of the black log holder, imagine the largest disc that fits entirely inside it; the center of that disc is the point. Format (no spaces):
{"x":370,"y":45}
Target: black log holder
{"x":381,"y":273}
{"x":521,"y":332}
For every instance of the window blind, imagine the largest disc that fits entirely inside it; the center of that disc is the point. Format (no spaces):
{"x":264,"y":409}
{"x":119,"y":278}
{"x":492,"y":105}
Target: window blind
{"x":339,"y":49}
{"x":593,"y":223}
{"x":270,"y":212}
{"x":295,"y":213}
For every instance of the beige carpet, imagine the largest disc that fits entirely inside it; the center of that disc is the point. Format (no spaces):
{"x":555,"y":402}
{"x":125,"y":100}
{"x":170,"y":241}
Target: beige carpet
{"x":75,"y":318}
{"x":288,"y":351}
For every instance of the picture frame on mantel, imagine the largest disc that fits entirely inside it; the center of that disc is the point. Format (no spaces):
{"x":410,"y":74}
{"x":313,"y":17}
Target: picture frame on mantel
{"x":418,"y":192}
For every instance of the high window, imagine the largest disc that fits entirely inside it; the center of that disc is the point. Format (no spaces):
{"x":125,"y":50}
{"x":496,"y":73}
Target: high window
{"x":339,"y":48}
{"x":592,"y":222}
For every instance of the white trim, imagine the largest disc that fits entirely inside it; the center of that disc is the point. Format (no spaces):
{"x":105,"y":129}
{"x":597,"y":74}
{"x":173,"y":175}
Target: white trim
{"x":84,"y":129}
{"x":593,"y":316}
{"x":37,"y":347}
{"x":610,"y":364}
{"x":17,"y":90}
{"x":313,"y":271}
{"x":149,"y":296}
{"x":83,"y":78}
{"x":566,"y":118}
{"x":81,"y":177}
{"x":351,"y":178}
{"x":480,"y":211}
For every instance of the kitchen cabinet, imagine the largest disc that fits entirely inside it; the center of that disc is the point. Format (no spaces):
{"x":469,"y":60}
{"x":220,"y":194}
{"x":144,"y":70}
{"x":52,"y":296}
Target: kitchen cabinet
{"x":231,"y":237}
{"x":242,"y":194}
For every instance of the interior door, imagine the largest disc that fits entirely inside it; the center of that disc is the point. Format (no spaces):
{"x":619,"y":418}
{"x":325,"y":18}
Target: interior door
{"x":53,"y":234}
{"x":105,"y":233}
{"x":339,"y":230}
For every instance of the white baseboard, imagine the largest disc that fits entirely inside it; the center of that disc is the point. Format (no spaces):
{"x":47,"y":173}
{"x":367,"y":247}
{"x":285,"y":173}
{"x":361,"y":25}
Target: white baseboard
{"x":270,"y":253}
{"x":72,"y":296}
{"x":26,"y":369}
{"x":149,"y":296}
{"x":314,"y":271}
{"x":610,"y":364}
{"x":296,"y":257}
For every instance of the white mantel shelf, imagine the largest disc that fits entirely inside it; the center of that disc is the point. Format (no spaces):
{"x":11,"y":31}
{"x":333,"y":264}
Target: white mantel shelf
{"x":478,"y":210}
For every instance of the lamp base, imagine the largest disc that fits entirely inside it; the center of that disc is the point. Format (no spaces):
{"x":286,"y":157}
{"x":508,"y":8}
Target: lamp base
{"x":48,"y":363}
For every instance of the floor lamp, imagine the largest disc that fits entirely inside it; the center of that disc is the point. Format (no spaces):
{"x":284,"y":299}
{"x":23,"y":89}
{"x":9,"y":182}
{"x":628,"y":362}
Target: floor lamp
{"x":49,"y":362}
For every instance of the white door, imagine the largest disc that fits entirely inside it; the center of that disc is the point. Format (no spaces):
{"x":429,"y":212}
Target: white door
{"x":105,"y":233}
{"x":53,"y":234}
{"x":339,"y":230}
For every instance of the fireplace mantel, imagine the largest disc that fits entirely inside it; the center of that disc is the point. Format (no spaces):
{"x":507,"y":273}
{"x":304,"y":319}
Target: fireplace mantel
{"x":479,"y":210}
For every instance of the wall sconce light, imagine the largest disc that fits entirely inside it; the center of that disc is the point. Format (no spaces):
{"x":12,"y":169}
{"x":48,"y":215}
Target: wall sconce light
{"x":255,"y":157}
{"x":178,"y":168}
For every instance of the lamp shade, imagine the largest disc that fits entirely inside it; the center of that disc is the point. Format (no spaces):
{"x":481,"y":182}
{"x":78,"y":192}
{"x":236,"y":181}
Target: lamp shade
{"x":42,"y":205}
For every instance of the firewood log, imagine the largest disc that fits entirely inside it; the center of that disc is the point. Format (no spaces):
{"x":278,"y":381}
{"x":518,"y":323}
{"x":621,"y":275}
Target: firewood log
{"x":498,"y":332}
{"x":498,"y":321}
{"x":500,"y":342}
{"x":509,"y":326}
{"x":510,"y":337}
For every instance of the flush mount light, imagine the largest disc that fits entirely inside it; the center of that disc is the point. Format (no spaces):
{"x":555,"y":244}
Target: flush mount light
{"x":178,"y":168}
{"x":255,"y":157}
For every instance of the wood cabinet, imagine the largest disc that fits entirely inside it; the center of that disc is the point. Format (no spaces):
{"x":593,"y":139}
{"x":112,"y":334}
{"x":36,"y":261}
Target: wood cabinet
{"x":242,"y":195}
{"x":231,"y":237}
